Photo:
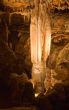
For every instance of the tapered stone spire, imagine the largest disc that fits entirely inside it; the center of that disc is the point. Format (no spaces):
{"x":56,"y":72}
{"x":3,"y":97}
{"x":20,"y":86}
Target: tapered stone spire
{"x":40,"y":40}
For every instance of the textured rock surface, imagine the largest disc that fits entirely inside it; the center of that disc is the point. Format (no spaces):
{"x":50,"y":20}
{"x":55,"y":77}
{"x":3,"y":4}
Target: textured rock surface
{"x":7,"y":58}
{"x":16,"y":90}
{"x":58,"y":60}
{"x":62,"y":65}
{"x":63,"y":56}
{"x":24,"y":54}
{"x":51,"y":4}
{"x":56,"y":99}
{"x":60,"y":22}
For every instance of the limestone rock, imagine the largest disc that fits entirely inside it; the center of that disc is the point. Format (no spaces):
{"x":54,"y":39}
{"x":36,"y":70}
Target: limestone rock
{"x":57,"y":98}
{"x":23,"y":53}
{"x":7,"y":58}
{"x":21,"y":90}
{"x":51,"y":61}
{"x":58,"y":60}
{"x":63,"y":56}
{"x":17,"y":89}
{"x":59,"y":22}
{"x":62,"y":65}
{"x":47,"y":82}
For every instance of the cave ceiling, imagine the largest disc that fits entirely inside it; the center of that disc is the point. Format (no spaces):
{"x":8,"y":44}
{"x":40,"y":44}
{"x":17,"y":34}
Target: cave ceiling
{"x":27,"y":5}
{"x":59,"y":19}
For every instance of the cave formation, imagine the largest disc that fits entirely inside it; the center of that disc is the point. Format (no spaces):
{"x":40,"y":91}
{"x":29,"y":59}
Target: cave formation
{"x":34,"y":48}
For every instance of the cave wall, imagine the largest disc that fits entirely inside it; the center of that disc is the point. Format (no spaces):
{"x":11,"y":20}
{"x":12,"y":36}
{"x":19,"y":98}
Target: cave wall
{"x":59,"y":20}
{"x":58,"y":60}
{"x":19,"y":24}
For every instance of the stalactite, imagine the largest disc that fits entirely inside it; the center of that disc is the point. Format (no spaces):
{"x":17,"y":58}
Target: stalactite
{"x":40,"y":37}
{"x":33,"y":39}
{"x":47,"y":40}
{"x":28,"y":17}
{"x":39,"y":49}
{"x":24,"y":18}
